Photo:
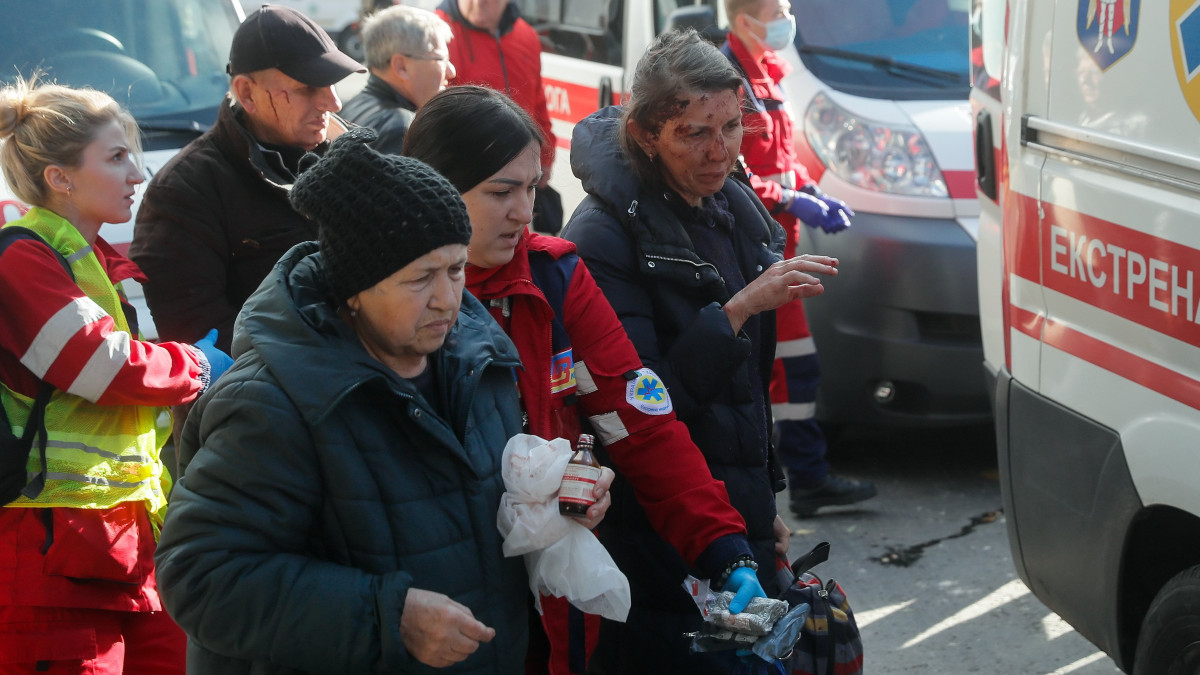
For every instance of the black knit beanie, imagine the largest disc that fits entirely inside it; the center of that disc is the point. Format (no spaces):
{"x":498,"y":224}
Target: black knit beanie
{"x":377,"y":213}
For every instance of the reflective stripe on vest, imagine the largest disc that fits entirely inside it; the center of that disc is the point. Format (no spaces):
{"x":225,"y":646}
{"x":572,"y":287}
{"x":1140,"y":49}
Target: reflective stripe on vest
{"x":97,"y":456}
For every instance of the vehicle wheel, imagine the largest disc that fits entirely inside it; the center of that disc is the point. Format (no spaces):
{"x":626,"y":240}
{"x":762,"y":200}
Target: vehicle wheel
{"x":1169,"y":643}
{"x":351,"y":43}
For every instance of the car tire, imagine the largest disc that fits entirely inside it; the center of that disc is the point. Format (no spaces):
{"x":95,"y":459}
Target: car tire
{"x":1169,"y":643}
{"x":351,"y":43}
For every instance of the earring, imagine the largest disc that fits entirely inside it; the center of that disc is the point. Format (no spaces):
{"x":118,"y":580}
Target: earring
{"x":68,"y":192}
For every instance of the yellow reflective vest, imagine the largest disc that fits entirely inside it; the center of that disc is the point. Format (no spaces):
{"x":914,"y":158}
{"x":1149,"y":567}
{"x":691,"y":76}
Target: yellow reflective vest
{"x":97,"y":456}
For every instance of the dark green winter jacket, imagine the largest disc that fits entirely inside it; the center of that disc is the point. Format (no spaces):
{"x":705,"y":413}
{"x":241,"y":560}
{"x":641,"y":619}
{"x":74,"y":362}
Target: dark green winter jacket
{"x":321,"y":487}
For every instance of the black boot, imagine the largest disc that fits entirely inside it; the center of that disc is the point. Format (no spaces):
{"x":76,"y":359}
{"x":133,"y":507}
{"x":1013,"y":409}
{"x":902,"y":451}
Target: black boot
{"x":832,"y":491}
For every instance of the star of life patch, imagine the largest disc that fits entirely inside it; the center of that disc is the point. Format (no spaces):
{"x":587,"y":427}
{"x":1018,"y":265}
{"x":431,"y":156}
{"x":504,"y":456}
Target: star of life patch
{"x":647,"y":393}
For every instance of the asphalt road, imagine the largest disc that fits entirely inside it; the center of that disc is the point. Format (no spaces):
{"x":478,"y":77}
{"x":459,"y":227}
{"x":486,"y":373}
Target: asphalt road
{"x":927,"y":567}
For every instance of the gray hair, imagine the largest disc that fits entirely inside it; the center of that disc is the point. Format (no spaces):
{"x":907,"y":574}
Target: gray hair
{"x":401,"y":29}
{"x":675,"y":66}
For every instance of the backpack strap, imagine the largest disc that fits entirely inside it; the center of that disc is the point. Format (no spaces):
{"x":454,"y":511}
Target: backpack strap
{"x":12,"y":233}
{"x":36,"y":424}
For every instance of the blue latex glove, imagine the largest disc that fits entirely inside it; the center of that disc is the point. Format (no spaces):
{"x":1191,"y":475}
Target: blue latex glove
{"x":218,"y":361}
{"x":839,"y":215}
{"x":812,"y":211}
{"x":830,"y":214}
{"x":743,"y":583}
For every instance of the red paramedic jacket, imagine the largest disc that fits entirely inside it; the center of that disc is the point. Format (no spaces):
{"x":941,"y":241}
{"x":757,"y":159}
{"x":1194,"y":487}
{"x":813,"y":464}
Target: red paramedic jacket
{"x":99,"y":558}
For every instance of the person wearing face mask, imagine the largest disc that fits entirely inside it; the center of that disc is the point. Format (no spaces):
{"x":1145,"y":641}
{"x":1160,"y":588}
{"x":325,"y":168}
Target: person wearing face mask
{"x":758,"y":28}
{"x":691,"y":262}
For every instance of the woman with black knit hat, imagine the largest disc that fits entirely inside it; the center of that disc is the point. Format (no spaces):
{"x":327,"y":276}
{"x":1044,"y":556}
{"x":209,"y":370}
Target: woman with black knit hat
{"x":338,"y":513}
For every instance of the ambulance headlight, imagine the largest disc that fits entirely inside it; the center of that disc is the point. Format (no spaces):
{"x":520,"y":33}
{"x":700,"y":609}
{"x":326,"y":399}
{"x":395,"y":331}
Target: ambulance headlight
{"x":872,"y":155}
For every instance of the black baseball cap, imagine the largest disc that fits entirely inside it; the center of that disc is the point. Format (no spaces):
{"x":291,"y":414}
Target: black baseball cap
{"x":274,"y":36}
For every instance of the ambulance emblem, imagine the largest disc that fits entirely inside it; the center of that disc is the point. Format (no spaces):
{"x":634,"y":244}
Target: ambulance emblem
{"x":1185,"y":49}
{"x":1107,"y":29}
{"x":647,"y":393}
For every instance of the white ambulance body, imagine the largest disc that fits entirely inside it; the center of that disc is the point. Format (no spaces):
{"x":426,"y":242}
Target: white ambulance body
{"x":1088,"y":152}
{"x":164,"y":60}
{"x":879,"y":96}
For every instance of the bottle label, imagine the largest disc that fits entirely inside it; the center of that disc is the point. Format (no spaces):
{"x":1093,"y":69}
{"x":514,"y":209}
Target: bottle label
{"x":577,"y":483}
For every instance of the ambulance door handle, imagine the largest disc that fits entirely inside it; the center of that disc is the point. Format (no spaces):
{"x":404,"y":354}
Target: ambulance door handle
{"x":985,"y":155}
{"x":606,"y":92}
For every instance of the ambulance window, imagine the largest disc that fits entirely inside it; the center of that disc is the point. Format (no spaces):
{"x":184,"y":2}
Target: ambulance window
{"x":582,"y":29}
{"x":161,"y":60}
{"x":663,"y":9}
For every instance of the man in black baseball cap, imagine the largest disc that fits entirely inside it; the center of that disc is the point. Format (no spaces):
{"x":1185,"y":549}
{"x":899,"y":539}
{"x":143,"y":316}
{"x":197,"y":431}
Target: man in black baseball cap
{"x":279,"y":37}
{"x":215,"y":219}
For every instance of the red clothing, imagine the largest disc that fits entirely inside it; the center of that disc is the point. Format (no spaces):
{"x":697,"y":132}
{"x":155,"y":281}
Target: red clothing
{"x":510,"y":62}
{"x":767,"y":143}
{"x":34,"y":289}
{"x":98,"y":558}
{"x":768,"y":150}
{"x":685,"y":504}
{"x":90,"y":641}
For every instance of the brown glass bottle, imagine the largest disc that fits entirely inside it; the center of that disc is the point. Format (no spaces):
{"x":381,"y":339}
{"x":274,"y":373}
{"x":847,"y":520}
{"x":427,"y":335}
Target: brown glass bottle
{"x":575,"y":493}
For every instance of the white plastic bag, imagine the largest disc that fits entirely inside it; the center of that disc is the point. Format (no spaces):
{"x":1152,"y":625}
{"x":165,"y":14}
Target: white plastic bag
{"x":562,"y":557}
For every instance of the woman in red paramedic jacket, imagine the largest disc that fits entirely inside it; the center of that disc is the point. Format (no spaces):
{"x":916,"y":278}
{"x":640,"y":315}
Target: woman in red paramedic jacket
{"x":77,"y":588}
{"x":577,"y":361}
{"x":757,"y":28}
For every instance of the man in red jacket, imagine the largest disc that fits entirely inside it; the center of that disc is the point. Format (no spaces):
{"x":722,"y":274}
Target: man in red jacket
{"x":494,"y":47}
{"x":757,"y":28}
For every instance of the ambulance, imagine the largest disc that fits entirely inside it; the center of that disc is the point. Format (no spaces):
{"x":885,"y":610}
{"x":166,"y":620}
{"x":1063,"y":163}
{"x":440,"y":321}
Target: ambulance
{"x":878,"y":92}
{"x":164,"y":60}
{"x":1087,"y":136}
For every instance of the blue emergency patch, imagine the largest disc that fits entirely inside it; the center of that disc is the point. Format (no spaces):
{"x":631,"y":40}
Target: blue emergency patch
{"x":647,"y":393}
{"x":562,"y":372}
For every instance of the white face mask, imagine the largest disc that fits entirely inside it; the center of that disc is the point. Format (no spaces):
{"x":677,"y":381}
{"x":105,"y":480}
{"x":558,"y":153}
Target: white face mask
{"x":780,"y":32}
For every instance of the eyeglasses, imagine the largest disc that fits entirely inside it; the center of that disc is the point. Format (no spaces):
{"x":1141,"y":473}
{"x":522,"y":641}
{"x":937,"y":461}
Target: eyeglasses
{"x":428,"y":57}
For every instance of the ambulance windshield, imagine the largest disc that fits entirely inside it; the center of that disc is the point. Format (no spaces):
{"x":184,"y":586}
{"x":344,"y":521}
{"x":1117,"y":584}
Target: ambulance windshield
{"x":164,"y":60}
{"x":900,"y":49}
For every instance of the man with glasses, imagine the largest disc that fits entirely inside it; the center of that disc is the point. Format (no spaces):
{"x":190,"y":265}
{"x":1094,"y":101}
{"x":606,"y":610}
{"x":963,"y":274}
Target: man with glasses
{"x":409,"y":62}
{"x":216,"y":218}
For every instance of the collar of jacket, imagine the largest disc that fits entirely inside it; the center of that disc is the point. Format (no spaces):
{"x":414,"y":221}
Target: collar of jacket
{"x":293,"y":325}
{"x":379,"y":88}
{"x":515,"y":276}
{"x":507,"y":20}
{"x":231,"y":118}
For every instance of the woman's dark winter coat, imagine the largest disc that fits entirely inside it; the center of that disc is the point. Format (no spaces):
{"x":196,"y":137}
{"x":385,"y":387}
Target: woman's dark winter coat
{"x":322,"y":487}
{"x":670,"y":302}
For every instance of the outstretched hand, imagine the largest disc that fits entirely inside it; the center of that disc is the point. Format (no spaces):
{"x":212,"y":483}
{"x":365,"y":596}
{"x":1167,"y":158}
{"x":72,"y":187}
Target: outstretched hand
{"x":438,"y":631}
{"x":779,"y":284}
